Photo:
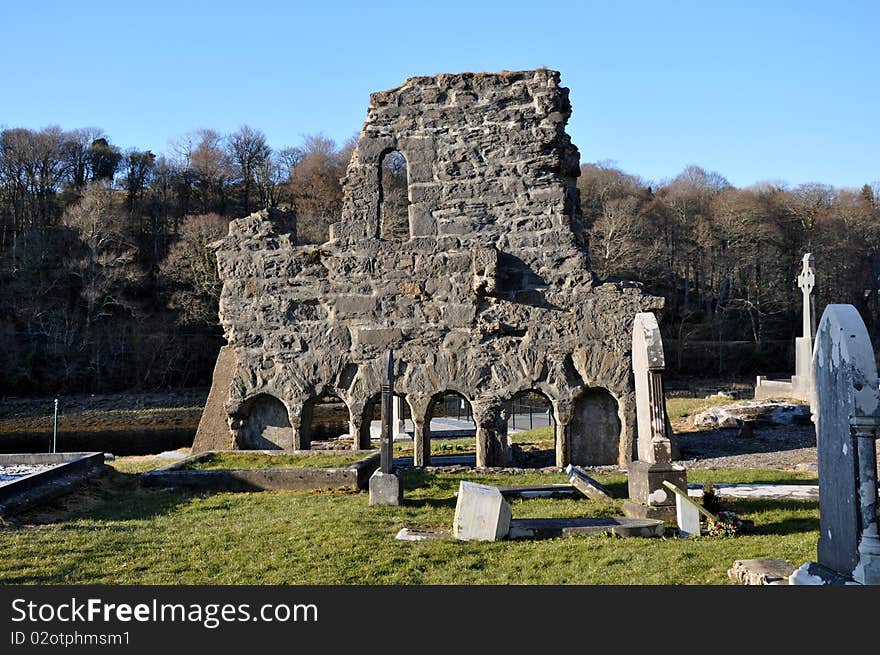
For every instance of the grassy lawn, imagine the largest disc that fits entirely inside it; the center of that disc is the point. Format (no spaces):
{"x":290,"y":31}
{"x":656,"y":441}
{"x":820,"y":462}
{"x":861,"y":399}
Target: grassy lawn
{"x":119,"y":533}
{"x":458,"y":446}
{"x":244,"y":460}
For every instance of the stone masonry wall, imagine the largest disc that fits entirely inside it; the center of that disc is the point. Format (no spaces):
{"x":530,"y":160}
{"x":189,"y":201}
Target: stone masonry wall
{"x":490,"y":295}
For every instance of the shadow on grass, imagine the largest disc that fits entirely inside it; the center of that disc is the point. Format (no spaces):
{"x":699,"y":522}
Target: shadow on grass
{"x":430,"y":502}
{"x":793,"y":518}
{"x":617,"y":489}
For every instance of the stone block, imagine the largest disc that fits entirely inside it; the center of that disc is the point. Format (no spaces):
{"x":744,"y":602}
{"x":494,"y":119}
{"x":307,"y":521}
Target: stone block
{"x":378,"y":337}
{"x":762,"y":571}
{"x":481,"y":513}
{"x":645,"y":481}
{"x":385,"y":489}
{"x":665,"y":513}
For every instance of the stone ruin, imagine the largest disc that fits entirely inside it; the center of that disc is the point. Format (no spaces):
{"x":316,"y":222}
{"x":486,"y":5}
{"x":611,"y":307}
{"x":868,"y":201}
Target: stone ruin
{"x":488,"y":293}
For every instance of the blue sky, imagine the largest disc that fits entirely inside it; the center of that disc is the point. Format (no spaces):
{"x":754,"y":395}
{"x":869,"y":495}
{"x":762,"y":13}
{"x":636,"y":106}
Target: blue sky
{"x":755,"y":90}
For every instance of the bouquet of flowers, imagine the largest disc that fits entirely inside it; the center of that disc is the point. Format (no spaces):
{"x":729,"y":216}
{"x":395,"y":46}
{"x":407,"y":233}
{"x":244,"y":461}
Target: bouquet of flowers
{"x":727,"y":525}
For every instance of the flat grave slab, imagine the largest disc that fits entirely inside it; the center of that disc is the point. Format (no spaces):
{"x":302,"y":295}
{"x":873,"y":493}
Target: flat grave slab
{"x":759,"y":491}
{"x":569,"y":527}
{"x":540,"y":491}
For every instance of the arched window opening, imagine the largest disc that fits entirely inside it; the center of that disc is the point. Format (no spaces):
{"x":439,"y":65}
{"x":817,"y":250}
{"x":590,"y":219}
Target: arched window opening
{"x":326,"y":423}
{"x":531,"y":429}
{"x":450,"y":427}
{"x":401,"y":424}
{"x":266,"y":425}
{"x":393,"y":198}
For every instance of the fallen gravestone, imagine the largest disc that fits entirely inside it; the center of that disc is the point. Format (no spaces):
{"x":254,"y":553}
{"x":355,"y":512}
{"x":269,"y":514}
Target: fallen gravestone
{"x":687,"y":512}
{"x":846,"y":407}
{"x":653,"y":465}
{"x":586,"y":485}
{"x":481,"y":513}
{"x":423,"y":534}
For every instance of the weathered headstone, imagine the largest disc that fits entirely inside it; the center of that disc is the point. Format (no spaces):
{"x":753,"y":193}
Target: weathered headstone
{"x":687,"y":512}
{"x":846,"y":409}
{"x":385,"y":486}
{"x":586,"y":485}
{"x":481,"y":513}
{"x":801,"y":383}
{"x":653,"y":466}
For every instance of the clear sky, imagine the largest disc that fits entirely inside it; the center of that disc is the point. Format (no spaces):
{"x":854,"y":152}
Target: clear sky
{"x":754,"y":90}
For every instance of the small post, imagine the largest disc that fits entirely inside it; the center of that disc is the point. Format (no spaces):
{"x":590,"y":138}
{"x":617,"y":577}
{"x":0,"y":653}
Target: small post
{"x":55,"y":428}
{"x":386,"y":459}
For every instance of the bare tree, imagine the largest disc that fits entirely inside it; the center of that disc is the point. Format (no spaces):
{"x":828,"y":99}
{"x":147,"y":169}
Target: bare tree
{"x":248,"y":151}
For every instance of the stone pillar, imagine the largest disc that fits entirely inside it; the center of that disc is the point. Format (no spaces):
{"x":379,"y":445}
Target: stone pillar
{"x":648,"y":497}
{"x":421,"y":443}
{"x":491,"y":424}
{"x":398,"y":423}
{"x":354,"y":430}
{"x":563,"y":439}
{"x":846,"y":410}
{"x":301,"y":420}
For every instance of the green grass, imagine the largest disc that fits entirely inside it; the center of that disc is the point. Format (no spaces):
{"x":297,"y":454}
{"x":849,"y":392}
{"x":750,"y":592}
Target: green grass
{"x":460,"y":446}
{"x":127,"y":535}
{"x":137,"y":463}
{"x":244,"y":460}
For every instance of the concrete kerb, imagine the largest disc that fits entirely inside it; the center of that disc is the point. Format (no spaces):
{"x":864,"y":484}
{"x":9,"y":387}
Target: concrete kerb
{"x":355,"y":477}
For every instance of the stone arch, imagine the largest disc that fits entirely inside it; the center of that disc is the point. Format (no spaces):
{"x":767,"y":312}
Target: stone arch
{"x":526,"y":410}
{"x":595,"y":429}
{"x":325,"y":418}
{"x":264,"y":424}
{"x":438,"y":409}
{"x":372,"y":414}
{"x":393,"y":208}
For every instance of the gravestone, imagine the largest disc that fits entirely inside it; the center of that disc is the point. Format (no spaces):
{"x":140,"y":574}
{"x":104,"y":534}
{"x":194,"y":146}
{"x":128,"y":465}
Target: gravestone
{"x":687,"y":512}
{"x":846,"y":410}
{"x":481,"y":513}
{"x":586,"y":485}
{"x":385,"y":485}
{"x":801,"y":383}
{"x":647,"y":496}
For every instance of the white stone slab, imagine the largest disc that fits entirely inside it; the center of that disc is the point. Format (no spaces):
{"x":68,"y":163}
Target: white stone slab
{"x":481,"y":513}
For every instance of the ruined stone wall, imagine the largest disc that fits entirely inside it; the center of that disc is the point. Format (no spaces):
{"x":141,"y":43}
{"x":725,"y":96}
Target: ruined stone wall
{"x":490,"y":295}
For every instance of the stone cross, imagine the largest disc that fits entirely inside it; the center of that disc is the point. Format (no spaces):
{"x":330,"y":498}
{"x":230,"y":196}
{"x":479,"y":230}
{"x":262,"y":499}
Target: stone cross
{"x":846,"y":409}
{"x":806,"y":282}
{"x":386,"y":456}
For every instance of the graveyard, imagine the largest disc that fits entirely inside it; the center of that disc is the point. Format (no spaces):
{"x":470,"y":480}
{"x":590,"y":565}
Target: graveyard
{"x":121,"y":533}
{"x":327,"y":450}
